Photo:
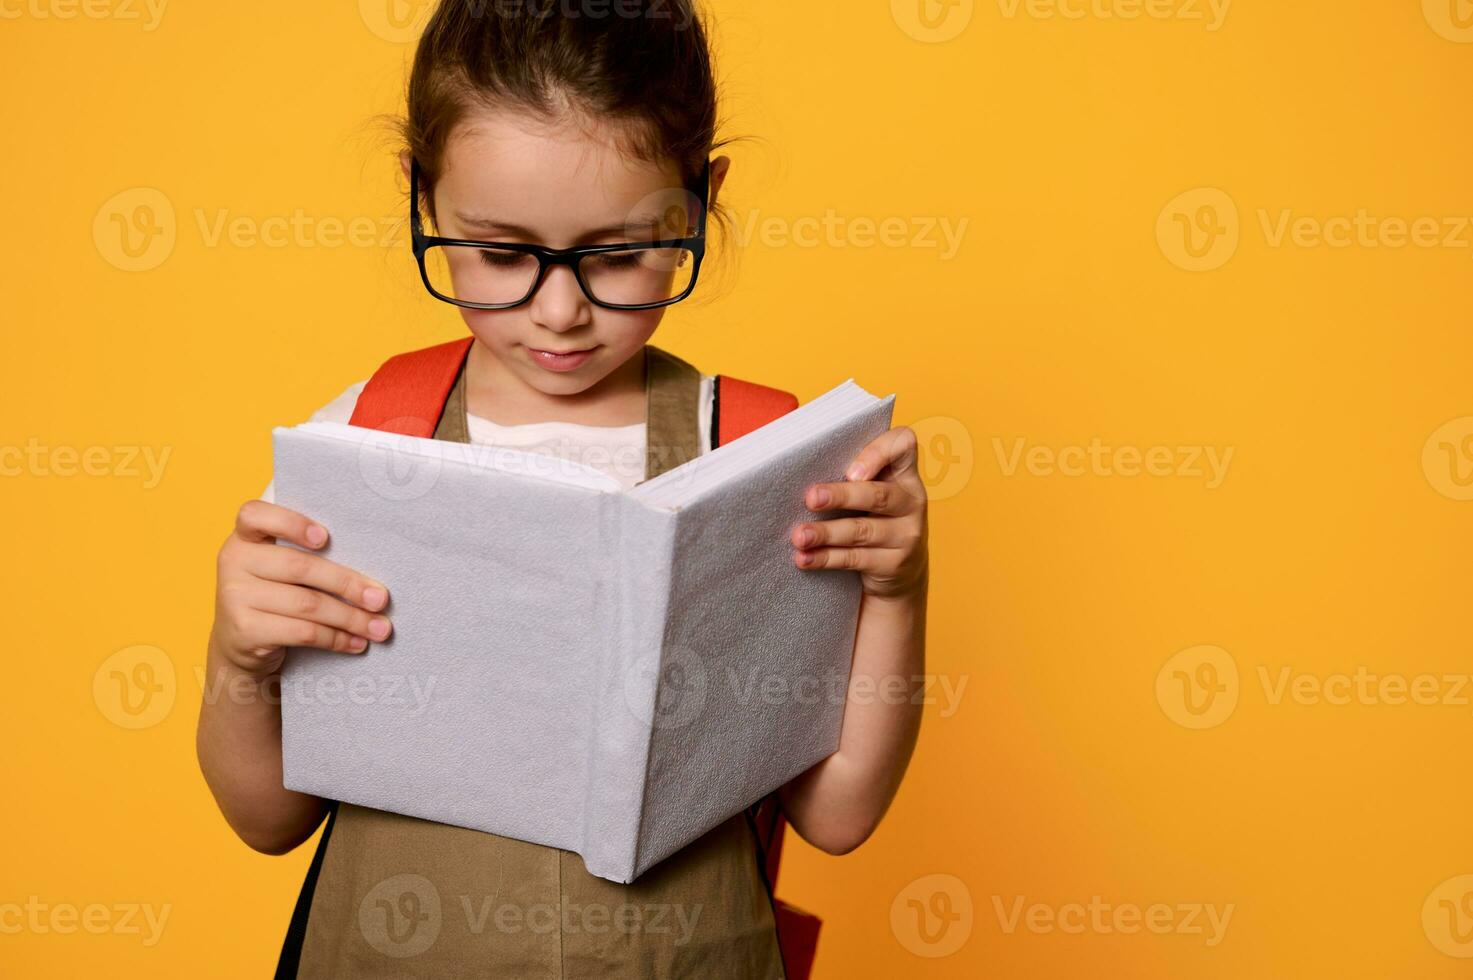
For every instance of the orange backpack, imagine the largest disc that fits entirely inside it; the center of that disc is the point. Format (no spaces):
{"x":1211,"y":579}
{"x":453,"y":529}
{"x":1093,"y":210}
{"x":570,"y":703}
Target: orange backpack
{"x":407,"y":395}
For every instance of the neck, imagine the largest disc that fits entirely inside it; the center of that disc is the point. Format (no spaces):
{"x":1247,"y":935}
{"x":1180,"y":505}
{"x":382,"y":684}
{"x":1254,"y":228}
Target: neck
{"x":494,"y":391}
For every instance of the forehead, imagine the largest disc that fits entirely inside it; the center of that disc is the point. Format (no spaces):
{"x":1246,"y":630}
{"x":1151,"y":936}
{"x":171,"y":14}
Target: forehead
{"x":558,"y":178}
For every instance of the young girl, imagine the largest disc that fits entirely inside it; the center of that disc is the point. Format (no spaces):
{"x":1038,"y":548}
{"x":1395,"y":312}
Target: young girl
{"x":534,"y":129}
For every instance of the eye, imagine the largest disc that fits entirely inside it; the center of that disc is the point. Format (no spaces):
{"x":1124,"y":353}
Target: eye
{"x":620,"y":260}
{"x":503,"y":260}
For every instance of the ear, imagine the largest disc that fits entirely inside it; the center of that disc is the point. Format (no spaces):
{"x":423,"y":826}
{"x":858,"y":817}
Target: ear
{"x":406,"y":162}
{"x":719,"y":169}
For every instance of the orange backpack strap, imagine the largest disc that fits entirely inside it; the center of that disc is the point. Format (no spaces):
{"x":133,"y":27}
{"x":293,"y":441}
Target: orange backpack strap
{"x":407,"y":394}
{"x":740,"y":406}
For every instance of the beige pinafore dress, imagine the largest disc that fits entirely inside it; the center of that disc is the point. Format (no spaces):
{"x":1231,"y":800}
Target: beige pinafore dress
{"x":394,"y":896}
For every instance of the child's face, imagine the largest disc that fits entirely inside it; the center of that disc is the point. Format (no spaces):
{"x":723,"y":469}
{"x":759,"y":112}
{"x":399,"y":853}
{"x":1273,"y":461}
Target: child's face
{"x":513,"y":178}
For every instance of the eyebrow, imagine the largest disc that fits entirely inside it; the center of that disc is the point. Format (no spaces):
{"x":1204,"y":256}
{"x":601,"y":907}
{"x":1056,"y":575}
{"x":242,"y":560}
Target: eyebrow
{"x":492,"y":226}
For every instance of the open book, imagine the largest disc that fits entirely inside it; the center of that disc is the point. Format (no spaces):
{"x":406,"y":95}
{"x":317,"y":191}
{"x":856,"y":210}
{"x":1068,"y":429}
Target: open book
{"x":611,"y":672}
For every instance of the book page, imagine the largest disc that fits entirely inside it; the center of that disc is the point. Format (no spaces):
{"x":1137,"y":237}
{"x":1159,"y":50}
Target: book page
{"x":478,"y":710}
{"x":424,"y":455}
{"x":756,"y":651}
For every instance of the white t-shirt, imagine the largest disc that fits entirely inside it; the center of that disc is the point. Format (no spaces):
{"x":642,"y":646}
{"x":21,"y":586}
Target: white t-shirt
{"x":617,"y":450}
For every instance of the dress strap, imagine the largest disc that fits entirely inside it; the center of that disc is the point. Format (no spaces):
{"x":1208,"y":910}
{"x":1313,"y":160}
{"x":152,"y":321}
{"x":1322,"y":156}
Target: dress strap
{"x":673,"y":432}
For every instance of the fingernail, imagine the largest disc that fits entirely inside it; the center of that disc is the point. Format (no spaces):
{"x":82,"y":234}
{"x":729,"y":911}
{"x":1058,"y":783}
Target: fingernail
{"x":855,"y":472}
{"x":375,"y":597}
{"x":820,"y":497}
{"x":378,"y":628}
{"x":358,"y":644}
{"x":316,"y":535}
{"x":806,"y":538}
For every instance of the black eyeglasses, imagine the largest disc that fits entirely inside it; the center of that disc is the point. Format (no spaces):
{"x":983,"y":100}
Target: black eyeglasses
{"x":501,"y":275}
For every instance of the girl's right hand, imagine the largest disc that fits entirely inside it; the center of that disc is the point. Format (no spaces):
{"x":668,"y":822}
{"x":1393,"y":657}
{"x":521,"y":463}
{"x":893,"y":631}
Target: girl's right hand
{"x":268,"y":598}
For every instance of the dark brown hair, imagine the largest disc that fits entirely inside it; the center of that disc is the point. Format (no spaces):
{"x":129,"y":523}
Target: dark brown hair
{"x":643,"y":65}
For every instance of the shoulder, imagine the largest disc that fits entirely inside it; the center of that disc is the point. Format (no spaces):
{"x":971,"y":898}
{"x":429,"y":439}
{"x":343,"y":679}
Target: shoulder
{"x":340,"y":409}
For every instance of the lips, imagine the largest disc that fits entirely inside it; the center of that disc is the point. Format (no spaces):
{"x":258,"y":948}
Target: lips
{"x":569,"y":360}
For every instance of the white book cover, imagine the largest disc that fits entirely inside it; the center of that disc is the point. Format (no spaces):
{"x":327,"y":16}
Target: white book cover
{"x":606,"y":671}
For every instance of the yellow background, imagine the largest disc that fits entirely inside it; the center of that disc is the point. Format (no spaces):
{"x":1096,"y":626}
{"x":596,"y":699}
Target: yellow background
{"x":1333,"y":543}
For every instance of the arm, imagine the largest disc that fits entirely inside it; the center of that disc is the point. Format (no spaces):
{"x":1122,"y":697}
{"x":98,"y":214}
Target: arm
{"x":838,"y":803}
{"x":269,"y":598}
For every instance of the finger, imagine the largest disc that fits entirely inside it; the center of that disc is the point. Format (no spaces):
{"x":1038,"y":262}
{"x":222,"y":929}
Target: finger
{"x":854,"y":559}
{"x":875,"y":496}
{"x":297,"y":602}
{"x":293,"y":567}
{"x":849,"y":532}
{"x":261,"y":521}
{"x":895,"y":448}
{"x":284,"y":631}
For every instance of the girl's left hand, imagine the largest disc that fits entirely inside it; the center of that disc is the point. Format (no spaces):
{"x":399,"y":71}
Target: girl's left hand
{"x":888,"y":545}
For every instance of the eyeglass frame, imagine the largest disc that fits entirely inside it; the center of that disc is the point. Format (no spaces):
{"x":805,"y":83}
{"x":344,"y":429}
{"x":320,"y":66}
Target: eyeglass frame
{"x":549,"y":257}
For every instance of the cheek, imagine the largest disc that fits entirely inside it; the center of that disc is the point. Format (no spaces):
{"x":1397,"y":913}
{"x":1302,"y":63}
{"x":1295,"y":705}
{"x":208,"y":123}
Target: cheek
{"x":493,"y":328}
{"x":626,"y":331}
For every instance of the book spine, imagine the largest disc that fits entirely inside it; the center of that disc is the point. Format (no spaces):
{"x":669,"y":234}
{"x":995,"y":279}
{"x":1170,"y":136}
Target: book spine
{"x":638,"y":545}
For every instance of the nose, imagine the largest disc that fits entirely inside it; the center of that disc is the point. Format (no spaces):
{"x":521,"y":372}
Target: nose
{"x":559,"y":303}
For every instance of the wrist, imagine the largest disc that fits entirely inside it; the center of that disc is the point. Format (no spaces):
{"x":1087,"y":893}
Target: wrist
{"x":902,"y":597}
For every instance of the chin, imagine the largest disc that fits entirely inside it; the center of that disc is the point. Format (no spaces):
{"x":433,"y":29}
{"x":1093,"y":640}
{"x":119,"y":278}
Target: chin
{"x":554,"y":383}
